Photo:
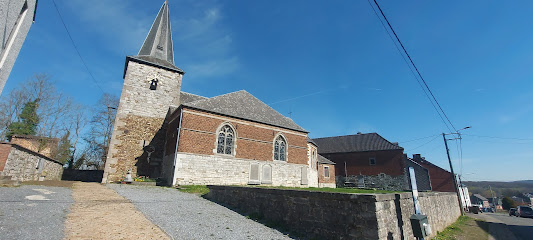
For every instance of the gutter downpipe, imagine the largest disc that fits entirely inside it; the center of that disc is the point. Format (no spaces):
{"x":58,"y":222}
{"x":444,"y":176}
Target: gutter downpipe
{"x":176,"y":150}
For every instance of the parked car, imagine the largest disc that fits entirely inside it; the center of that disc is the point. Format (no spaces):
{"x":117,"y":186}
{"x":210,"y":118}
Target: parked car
{"x":512,"y":212}
{"x":474,"y":209}
{"x":524,"y":211}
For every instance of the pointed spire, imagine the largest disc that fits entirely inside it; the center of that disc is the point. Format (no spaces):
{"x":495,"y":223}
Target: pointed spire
{"x":158,"y":43}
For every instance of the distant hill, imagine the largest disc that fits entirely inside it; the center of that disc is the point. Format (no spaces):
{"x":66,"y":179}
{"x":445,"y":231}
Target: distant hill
{"x":500,"y":189}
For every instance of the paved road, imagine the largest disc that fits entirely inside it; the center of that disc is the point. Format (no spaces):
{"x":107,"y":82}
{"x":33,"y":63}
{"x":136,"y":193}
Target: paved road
{"x":33,"y":212}
{"x":522,"y":228}
{"x":503,"y":226}
{"x":187,"y":216}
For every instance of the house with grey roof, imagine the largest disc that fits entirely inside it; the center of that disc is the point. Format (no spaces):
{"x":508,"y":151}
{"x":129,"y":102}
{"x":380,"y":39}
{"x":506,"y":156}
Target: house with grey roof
{"x":183,"y":138}
{"x":365,"y":160}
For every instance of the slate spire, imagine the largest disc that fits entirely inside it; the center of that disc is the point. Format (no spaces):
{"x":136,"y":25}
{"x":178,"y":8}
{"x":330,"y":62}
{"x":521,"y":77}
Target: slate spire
{"x":158,"y":43}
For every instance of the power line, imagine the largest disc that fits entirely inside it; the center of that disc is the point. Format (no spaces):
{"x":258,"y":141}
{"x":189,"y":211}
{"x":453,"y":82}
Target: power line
{"x":424,"y":143}
{"x":505,"y":138}
{"x":416,"y":69}
{"x":76,"y":48}
{"x":412,"y":140}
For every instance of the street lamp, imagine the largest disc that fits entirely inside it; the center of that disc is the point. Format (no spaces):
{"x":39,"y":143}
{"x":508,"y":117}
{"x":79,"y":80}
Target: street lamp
{"x":451,"y":166}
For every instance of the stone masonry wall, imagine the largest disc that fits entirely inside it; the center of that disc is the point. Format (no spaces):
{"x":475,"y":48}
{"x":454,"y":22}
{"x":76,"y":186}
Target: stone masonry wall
{"x":132,"y":134}
{"x":194,"y":169}
{"x":325,"y":215}
{"x":139,"y":121}
{"x":22,"y":165}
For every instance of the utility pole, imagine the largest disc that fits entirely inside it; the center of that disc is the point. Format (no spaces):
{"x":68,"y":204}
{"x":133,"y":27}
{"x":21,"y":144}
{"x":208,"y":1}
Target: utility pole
{"x":453,"y":174}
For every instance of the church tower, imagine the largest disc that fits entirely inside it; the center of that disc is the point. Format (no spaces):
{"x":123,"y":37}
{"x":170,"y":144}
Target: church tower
{"x":151,"y":85}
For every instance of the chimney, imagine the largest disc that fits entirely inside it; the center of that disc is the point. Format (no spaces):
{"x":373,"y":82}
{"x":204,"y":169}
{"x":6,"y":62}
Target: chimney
{"x":417,"y":157}
{"x":359,"y":133}
{"x":395,"y":143}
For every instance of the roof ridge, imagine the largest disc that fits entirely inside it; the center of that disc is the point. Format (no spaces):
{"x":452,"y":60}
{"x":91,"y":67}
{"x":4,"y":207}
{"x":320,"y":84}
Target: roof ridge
{"x":193,"y":94}
{"x":360,"y":134}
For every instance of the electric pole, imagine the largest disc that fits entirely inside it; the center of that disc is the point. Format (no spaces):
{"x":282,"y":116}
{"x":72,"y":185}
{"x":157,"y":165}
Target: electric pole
{"x":453,"y":174}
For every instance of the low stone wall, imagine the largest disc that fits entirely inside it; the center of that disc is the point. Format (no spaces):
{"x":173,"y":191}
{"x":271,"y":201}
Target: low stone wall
{"x":82,"y":175}
{"x":381,"y":181}
{"x":325,"y":215}
{"x":23,"y":165}
{"x":195,"y":169}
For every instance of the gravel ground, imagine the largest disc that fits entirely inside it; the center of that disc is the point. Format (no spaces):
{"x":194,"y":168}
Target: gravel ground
{"x":187,"y":216}
{"x":33,"y":212}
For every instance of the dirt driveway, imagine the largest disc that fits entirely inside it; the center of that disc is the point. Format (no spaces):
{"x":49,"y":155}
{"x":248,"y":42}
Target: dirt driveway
{"x":100,"y":213}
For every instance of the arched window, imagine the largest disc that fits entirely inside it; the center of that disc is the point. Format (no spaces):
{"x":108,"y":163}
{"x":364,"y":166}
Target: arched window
{"x":226,"y":140}
{"x":280,"y":149}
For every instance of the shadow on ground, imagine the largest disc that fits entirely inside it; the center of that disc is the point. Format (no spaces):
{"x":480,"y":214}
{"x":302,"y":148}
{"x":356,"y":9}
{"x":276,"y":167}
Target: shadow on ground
{"x":260,"y":218}
{"x":520,"y":232}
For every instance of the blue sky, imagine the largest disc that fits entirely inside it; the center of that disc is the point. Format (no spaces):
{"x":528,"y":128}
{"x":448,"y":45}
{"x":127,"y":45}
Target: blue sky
{"x":329,"y":65}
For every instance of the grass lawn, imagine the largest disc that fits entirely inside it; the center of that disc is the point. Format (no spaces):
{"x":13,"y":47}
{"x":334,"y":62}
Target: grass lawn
{"x":334,"y":190}
{"x":465,"y":228}
{"x":202,"y":189}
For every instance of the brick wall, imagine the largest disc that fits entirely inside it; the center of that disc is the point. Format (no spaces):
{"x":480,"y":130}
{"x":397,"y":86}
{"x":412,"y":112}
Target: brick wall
{"x":254,"y":140}
{"x":5,"y":149}
{"x":390,"y":162}
{"x":42,"y":145}
{"x":322,"y":179}
{"x":324,"y":215}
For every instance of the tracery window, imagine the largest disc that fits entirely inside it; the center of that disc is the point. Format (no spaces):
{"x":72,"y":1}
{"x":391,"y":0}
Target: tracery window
{"x":280,"y":149}
{"x":226,"y":140}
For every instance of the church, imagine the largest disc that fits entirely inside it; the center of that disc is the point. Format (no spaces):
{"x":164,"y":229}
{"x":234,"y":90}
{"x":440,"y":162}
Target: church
{"x":187,"y":139}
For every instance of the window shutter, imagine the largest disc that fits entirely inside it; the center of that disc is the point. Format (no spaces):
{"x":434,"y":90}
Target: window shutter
{"x":254,"y":173}
{"x":267,"y":174}
{"x":305,"y":180}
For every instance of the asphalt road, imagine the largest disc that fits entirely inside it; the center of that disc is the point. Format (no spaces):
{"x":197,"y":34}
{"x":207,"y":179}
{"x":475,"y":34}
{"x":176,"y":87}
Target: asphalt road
{"x":522,"y":228}
{"x":503,"y":226}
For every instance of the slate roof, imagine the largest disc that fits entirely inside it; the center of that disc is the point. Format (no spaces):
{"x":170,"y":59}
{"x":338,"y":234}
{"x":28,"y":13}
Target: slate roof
{"x":244,"y":105}
{"x":322,"y":160}
{"x":480,"y":197}
{"x":354,"y":143}
{"x":186,"y":97}
{"x":309,"y":140}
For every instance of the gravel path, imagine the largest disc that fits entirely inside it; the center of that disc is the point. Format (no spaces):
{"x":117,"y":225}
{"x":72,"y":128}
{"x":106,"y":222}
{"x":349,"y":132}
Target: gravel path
{"x":187,"y":216}
{"x":33,"y":212}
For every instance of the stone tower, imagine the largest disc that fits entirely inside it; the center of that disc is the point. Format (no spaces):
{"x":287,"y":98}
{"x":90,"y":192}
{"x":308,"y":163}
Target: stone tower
{"x":151,"y":85}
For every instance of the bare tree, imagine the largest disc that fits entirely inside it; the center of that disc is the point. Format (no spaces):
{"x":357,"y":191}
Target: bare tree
{"x":55,"y":108}
{"x":101,"y":130}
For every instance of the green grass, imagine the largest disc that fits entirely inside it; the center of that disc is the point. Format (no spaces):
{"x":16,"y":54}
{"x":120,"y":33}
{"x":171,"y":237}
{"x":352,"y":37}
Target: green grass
{"x":333,"y":190}
{"x":464,"y":228}
{"x":199,"y":189}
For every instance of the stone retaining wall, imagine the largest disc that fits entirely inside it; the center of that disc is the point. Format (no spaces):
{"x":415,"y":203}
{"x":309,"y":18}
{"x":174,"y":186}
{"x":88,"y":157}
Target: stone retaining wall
{"x":325,"y":215}
{"x":23,"y":165}
{"x":380,"y":181}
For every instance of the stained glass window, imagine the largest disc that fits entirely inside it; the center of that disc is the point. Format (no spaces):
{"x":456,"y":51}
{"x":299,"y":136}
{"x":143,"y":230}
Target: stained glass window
{"x":280,"y":149}
{"x":225,"y":140}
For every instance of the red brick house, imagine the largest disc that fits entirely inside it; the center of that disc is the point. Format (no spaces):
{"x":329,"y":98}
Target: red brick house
{"x":441,"y":179}
{"x":365,"y":160}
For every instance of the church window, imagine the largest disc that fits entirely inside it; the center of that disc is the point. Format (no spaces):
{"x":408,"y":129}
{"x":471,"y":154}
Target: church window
{"x":280,"y":149}
{"x":226,"y":140}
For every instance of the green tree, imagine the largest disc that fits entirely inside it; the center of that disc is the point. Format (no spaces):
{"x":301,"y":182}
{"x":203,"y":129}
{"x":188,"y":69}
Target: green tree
{"x":508,"y":203}
{"x":64,"y":149}
{"x":28,"y":120}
